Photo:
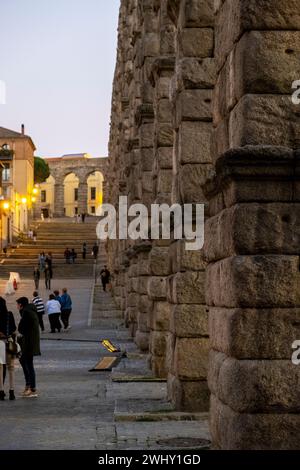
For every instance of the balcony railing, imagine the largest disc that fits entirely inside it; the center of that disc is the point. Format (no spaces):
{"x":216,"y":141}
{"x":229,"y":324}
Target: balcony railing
{"x":6,"y":154}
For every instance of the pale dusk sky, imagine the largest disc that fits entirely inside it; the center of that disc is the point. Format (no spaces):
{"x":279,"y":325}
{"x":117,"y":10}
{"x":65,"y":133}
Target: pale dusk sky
{"x":57,"y":62}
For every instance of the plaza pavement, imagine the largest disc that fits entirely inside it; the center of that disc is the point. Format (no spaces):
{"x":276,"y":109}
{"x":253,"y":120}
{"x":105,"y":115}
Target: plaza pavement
{"x":78,"y":409}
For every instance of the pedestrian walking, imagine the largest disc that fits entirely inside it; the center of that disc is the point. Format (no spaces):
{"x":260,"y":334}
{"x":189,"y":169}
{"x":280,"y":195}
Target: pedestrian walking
{"x":48,"y":261}
{"x":53,"y":310}
{"x":56,"y":295}
{"x":42,"y":261}
{"x":30,"y":344}
{"x":73,"y":255}
{"x":95,"y":251}
{"x":40,"y":308}
{"x":8,"y":330}
{"x":47,"y":277}
{"x":67,"y":254}
{"x":84,"y":250}
{"x":36,"y":277}
{"x":66,"y":308}
{"x":105,"y":277}
{"x":34,"y":236}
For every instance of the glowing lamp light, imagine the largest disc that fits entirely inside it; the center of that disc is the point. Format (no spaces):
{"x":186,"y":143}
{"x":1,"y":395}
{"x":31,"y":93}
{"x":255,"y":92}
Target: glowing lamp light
{"x":33,"y":199}
{"x":5,"y":205}
{"x":24,"y":200}
{"x":35,"y":190}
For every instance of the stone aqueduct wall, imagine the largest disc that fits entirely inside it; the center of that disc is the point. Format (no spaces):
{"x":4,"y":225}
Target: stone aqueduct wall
{"x":201,"y":112}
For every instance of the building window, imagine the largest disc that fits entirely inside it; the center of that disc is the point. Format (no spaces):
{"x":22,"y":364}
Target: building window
{"x":6,"y":173}
{"x":76,"y":210}
{"x":43,"y":195}
{"x":93,"y":209}
{"x":76,"y":194}
{"x":93,"y":193}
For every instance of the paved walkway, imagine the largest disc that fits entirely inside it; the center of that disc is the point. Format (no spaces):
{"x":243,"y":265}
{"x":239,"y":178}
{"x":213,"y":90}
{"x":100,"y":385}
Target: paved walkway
{"x":78,"y":409}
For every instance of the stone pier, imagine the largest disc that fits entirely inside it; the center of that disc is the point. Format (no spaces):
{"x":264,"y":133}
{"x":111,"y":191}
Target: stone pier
{"x":202,"y":113}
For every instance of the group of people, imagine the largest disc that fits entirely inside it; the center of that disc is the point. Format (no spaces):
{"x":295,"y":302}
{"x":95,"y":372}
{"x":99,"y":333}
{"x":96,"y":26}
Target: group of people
{"x":45,"y":266}
{"x":70,"y":255}
{"x":58,"y":307}
{"x":80,"y":217}
{"x":27,"y":336}
{"x":32,"y":235}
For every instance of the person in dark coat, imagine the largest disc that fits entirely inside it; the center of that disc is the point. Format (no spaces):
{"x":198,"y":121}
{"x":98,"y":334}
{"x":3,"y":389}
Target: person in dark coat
{"x":95,"y":251}
{"x":7,"y":329}
{"x":36,"y":277}
{"x":105,"y":277}
{"x":84,"y":250}
{"x":29,"y":342}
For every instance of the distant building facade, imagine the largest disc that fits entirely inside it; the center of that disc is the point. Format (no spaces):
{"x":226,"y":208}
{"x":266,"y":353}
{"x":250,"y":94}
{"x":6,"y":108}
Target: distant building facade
{"x":17,"y":183}
{"x":76,"y":185}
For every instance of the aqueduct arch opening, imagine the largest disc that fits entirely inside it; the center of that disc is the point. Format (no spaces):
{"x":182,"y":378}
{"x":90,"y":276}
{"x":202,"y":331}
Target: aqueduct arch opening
{"x":77,"y":196}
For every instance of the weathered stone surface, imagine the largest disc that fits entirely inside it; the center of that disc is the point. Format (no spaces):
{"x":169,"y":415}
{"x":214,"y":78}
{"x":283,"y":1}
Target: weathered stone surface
{"x":157,"y":288}
{"x":158,"y":343}
{"x":142,"y":340}
{"x":195,"y":142}
{"x":193,"y":105}
{"x":147,"y":181}
{"x":142,"y":319}
{"x":143,"y":268}
{"x":187,"y":288}
{"x":264,"y":120}
{"x":195,"y":42}
{"x":159,"y":261}
{"x":237,"y":16}
{"x":191,"y":177}
{"x":164,"y":135}
{"x":132,"y":299}
{"x":254,"y":281}
{"x":232,"y":331}
{"x":254,"y":386}
{"x":146,"y":159}
{"x":158,"y":366}
{"x":164,"y":181}
{"x":188,"y":395}
{"x":160,"y":318}
{"x":143,"y":284}
{"x":144,"y":304}
{"x":146,"y":135}
{"x":253,"y":229}
{"x":196,"y":73}
{"x":188,"y":320}
{"x":191,"y":358}
{"x":263,"y":62}
{"x":164,"y":157}
{"x":182,"y":259}
{"x":197,"y":13}
{"x":243,"y":431}
{"x":164,"y":110}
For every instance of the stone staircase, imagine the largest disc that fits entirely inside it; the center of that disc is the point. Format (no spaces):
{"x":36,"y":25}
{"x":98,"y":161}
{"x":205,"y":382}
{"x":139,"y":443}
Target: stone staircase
{"x":54,"y":237}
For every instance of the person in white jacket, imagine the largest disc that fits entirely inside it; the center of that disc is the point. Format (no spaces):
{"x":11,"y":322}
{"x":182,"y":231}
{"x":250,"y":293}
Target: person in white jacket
{"x":53,"y":310}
